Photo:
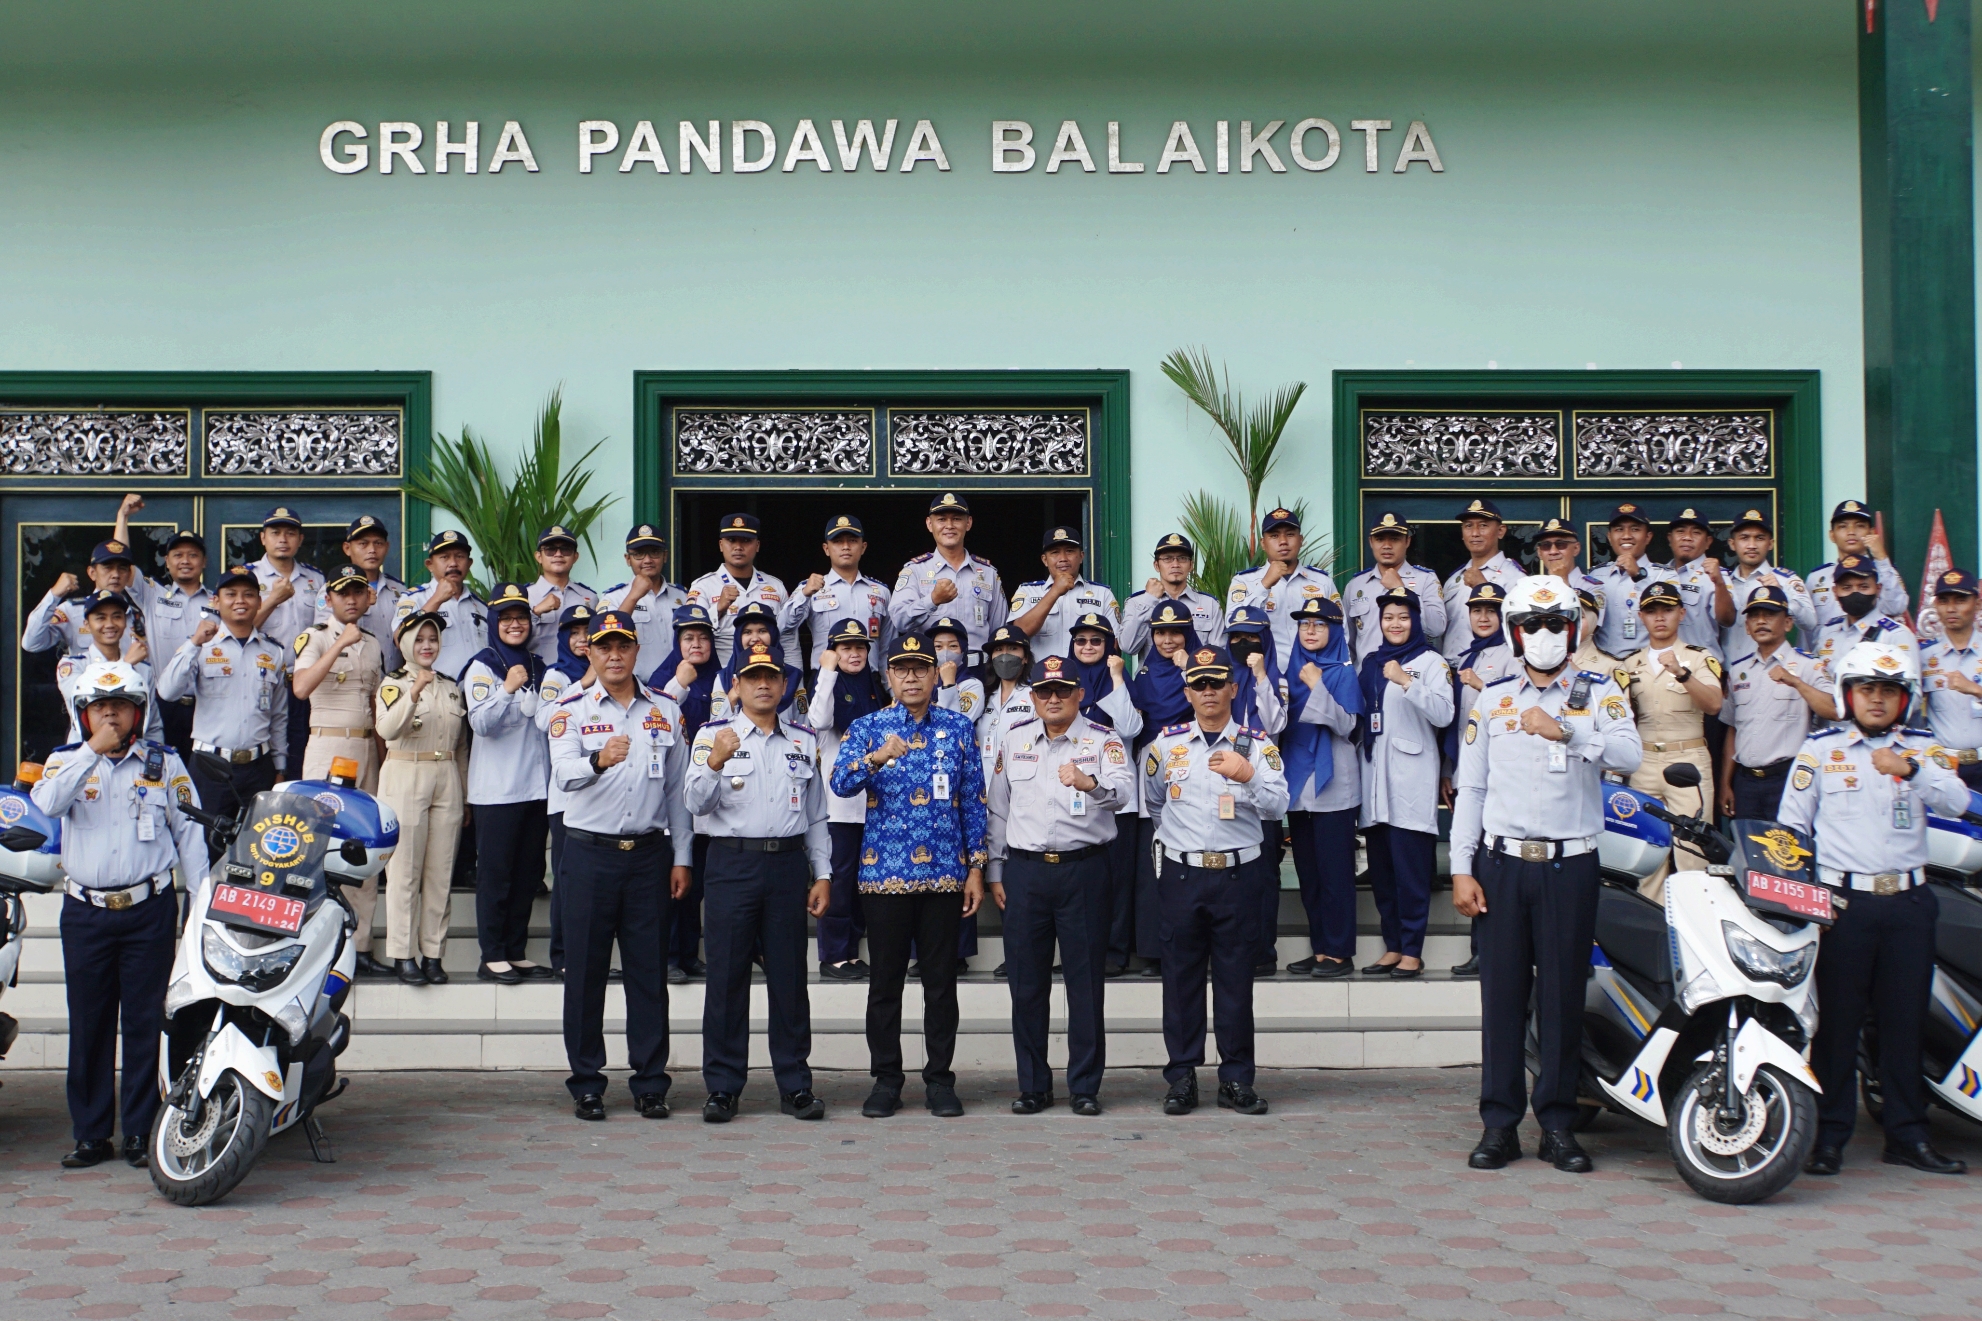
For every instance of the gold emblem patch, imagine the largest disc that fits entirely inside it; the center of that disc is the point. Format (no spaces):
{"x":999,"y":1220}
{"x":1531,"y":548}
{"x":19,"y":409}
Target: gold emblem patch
{"x":1782,"y":848}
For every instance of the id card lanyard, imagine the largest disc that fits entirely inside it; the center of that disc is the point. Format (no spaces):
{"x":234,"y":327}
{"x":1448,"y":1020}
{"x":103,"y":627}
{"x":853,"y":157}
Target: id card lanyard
{"x":1902,"y":804}
{"x":653,"y":754}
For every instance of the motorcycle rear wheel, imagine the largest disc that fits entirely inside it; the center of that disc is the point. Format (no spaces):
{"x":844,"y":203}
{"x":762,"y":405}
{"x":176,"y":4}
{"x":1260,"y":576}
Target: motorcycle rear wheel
{"x":1771,"y":1156}
{"x":197,"y":1164}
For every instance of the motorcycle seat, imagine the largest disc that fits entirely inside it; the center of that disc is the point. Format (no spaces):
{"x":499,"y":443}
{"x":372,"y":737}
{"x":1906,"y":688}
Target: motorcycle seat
{"x":1958,"y":931}
{"x":1631,"y":932}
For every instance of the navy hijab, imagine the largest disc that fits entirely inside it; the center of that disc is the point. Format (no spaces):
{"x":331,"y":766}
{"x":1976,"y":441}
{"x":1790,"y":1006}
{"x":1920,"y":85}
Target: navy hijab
{"x":856,"y":695}
{"x":695,"y":702}
{"x":499,"y":656}
{"x":1371,"y":674}
{"x":1245,"y":703}
{"x":569,"y":663}
{"x":1310,"y":748}
{"x":1158,"y":687}
{"x":761,"y":613}
{"x":1466,"y":660}
{"x":1095,"y":680}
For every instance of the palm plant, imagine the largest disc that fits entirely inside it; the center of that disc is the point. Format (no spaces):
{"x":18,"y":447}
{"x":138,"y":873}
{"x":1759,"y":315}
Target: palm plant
{"x":1225,"y":545}
{"x":503,"y":515}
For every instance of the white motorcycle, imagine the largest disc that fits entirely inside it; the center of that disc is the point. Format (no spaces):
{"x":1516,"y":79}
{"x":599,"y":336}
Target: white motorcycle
{"x":30,"y":863}
{"x":254,"y":1017}
{"x":1697,"y":1014}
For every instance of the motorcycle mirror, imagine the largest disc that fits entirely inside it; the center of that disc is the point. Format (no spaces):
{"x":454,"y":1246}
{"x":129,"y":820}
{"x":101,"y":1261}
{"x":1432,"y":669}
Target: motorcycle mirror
{"x":1683,"y":775}
{"x":352,"y":852}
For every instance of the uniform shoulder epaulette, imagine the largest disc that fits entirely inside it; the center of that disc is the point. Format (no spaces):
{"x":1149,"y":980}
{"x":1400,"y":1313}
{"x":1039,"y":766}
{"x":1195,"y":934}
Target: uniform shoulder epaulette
{"x":1823,"y":731}
{"x":583,"y":588}
{"x":1036,"y":582}
{"x":1923,"y":733}
{"x":616,"y":587}
{"x":802,"y":727}
{"x":1825,"y":565}
{"x":1259,"y":734}
{"x":1743,"y":660}
{"x":1168,"y":730}
{"x":1505,"y":678}
{"x":1137,"y":592}
{"x":923,"y":558}
{"x":387,"y":580}
{"x":1021,"y":724}
{"x":67,"y":747}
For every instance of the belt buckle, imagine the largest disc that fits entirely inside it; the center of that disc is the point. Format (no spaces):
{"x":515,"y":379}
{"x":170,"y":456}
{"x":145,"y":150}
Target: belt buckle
{"x":626,"y":846}
{"x":1967,"y":756}
{"x":118,"y":900}
{"x":1886,"y":882}
{"x":1217,"y":861}
{"x":1050,"y":857}
{"x":774,"y":846}
{"x":1534,"y":850}
{"x":241,"y":756}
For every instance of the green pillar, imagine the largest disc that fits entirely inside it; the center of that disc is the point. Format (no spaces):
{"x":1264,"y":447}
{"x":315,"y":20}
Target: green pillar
{"x":1917,"y":195}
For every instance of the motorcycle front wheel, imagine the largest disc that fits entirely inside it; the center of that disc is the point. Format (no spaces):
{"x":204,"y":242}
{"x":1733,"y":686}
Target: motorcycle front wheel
{"x":198,"y":1161}
{"x":1748,"y":1159}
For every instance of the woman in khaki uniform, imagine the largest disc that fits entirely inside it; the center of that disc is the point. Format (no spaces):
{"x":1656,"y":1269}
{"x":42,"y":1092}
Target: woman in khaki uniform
{"x":423,"y":719}
{"x":1673,"y":687}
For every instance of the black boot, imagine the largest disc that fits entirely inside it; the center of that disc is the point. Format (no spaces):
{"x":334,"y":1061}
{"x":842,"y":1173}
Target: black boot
{"x":409,"y":972}
{"x":433,"y":972}
{"x":1496,"y":1148}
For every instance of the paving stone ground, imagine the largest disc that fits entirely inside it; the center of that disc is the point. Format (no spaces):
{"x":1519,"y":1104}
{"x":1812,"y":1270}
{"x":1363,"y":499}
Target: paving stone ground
{"x":479,"y":1195}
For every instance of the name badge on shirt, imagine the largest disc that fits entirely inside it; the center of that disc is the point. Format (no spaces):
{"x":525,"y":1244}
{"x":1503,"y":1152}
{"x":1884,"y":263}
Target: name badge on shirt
{"x":1558,"y":758}
{"x":1228,"y":807}
{"x":1902,"y":808}
{"x":939,"y":785}
{"x":264,"y":697}
{"x":1630,"y":626}
{"x":147,"y":825}
{"x":1376,"y":722}
{"x":1076,"y":803}
{"x":654,"y":768}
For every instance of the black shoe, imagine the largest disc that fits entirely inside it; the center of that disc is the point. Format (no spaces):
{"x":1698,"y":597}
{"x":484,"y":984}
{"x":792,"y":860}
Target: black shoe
{"x":535,"y":972}
{"x":1182,"y":1098}
{"x":677,"y":975}
{"x":861,"y":970}
{"x":591,"y":1106}
{"x":1470,"y":968}
{"x":1115,"y":970}
{"x":652,"y":1105}
{"x":409,"y":972}
{"x":1264,"y":969}
{"x":1304,"y":967}
{"x":90,"y":1153}
{"x":1153,"y":969}
{"x":1560,"y":1148}
{"x":802,"y":1105}
{"x":998,"y":972}
{"x":1922,"y":1156}
{"x":1237,"y":1096}
{"x":135,"y":1155}
{"x":371,"y":967}
{"x":1031,"y":1103}
{"x":1088,"y":1106}
{"x":433,"y":972}
{"x":1327,"y":970}
{"x":720,"y":1108}
{"x":1497,"y":1147}
{"x":557,"y":971}
{"x":695,"y":967}
{"x":881,"y":1102}
{"x":942,"y":1101}
{"x":839,"y":972}
{"x":1403,"y":974}
{"x":1825,"y":1160}
{"x":1379,"y":969}
{"x":507,"y":977}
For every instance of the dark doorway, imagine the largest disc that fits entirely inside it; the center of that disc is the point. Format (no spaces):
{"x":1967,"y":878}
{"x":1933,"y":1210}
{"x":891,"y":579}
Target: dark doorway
{"x":1006,"y":528}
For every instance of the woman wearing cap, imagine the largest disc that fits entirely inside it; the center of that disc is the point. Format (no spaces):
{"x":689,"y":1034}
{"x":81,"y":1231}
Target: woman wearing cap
{"x":957,"y":690}
{"x":1158,"y":693}
{"x":1004,"y":698}
{"x":693,"y":677}
{"x":421,"y":716}
{"x":847,"y":688}
{"x":1324,"y":784}
{"x":509,"y":773}
{"x":1407,"y":700}
{"x":1256,"y":704}
{"x":1097,"y":662}
{"x":570,"y":673}
{"x":1486,"y":658}
{"x":757,"y":622}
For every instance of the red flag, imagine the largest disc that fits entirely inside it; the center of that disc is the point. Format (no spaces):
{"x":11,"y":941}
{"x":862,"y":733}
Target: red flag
{"x":1940,"y":558}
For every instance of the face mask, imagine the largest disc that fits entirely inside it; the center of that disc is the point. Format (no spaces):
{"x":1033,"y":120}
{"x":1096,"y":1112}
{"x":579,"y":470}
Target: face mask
{"x":1545,"y":651}
{"x":1242,"y":647}
{"x":948,"y":655}
{"x":1857,"y":604}
{"x":1007,"y":665}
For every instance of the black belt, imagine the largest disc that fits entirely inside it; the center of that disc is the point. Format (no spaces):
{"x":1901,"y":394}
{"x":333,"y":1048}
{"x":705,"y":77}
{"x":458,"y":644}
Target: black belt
{"x":782,"y":844}
{"x":1068,"y":855}
{"x":1763,"y":772}
{"x":624,"y":843}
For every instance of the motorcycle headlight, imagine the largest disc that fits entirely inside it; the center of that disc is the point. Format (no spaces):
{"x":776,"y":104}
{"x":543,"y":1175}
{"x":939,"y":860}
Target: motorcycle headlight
{"x":1765,"y":964}
{"x":257,"y":972}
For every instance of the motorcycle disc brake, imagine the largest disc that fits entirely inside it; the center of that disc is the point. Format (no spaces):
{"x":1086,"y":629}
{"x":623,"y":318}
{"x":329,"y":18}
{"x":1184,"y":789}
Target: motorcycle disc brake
{"x":185,"y":1142}
{"x":1710,"y":1135}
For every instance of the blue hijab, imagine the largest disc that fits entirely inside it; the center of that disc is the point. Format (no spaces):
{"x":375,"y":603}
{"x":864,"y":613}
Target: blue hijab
{"x":569,"y":663}
{"x":1245,"y":703}
{"x":1310,"y":748}
{"x":499,"y":656}
{"x":695,"y":702}
{"x":1371,"y":674}
{"x":1095,"y":680}
{"x":1158,"y":688}
{"x":856,"y":695}
{"x":1465,"y":660}
{"x":758,"y":611}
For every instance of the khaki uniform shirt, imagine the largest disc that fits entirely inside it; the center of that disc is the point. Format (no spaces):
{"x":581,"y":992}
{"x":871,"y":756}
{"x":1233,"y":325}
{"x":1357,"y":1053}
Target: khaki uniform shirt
{"x":1666,"y":713}
{"x":344,"y":699}
{"x":433,"y":725}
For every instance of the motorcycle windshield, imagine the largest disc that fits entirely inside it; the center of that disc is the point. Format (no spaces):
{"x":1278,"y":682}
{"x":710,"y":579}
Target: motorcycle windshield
{"x":281,"y":845}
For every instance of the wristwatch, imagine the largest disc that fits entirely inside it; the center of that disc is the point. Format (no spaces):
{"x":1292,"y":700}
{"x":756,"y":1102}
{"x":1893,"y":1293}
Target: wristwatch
{"x":1685,"y":675}
{"x":593,"y":758}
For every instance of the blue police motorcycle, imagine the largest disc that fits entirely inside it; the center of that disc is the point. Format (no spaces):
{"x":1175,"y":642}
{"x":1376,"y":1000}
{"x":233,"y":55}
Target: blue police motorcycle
{"x":254,"y":1012}
{"x":30,"y":863}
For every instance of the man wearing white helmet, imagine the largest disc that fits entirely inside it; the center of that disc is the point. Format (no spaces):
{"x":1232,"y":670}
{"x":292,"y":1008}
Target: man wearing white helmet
{"x":1863,"y":788}
{"x":122,"y":801}
{"x":1525,"y":822}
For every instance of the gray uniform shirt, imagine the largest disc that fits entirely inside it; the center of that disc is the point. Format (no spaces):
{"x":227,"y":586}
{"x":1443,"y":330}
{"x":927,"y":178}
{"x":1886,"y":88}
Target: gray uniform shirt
{"x":1893,"y":599}
{"x":1500,"y":571}
{"x":1697,"y":625}
{"x":764,"y":589}
{"x":1770,"y":720}
{"x":1207,"y":619}
{"x":1840,"y":633}
{"x":1507,"y":785}
{"x":1619,"y":632}
{"x":1344,"y":789}
{"x":1184,"y":794}
{"x":862,"y":598}
{"x":171,"y":615}
{"x":638,"y":795}
{"x":1055,"y":635}
{"x":979,"y":604}
{"x":467,"y":630}
{"x":1359,"y":604}
{"x":851,"y":809}
{"x":1400,"y":780}
{"x":103,"y":802}
{"x":1280,"y":600}
{"x":509,"y":760}
{"x":1956,"y":718}
{"x":770,"y":788}
{"x":543,"y":628}
{"x":288,"y":621}
{"x":1836,"y":795}
{"x":1028,"y":806}
{"x":241,"y":689}
{"x":550,"y":694}
{"x":1734,"y":639}
{"x":653,"y":623}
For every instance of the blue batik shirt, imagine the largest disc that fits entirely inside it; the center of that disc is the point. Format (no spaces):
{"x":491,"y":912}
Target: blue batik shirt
{"x":915,"y":842}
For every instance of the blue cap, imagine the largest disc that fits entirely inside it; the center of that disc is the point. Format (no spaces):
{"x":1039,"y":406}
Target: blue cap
{"x":848,"y":630}
{"x":1054,"y":670}
{"x":1751,"y":518}
{"x":1171,"y":615}
{"x":1060,"y":535}
{"x":193,"y":539}
{"x":1278,"y":517}
{"x":1855,"y":566}
{"x":1556,"y":527}
{"x":1487,"y":593}
{"x":948,"y":502}
{"x":1208,"y":663}
{"x":556,"y":532}
{"x":1659,"y":594}
{"x":846,"y":525}
{"x":1009,"y":633}
{"x":1691,"y":517}
{"x":362,"y":524}
{"x":1956,"y":582}
{"x":111,"y":552}
{"x":1249,"y":619}
{"x":693,"y":616}
{"x":508,"y":596}
{"x":1175,"y":541}
{"x":1628,"y":512}
{"x":738,"y":525}
{"x":948,"y":624}
{"x":1318,"y":607}
{"x":912,"y":647}
{"x":347,"y":575}
{"x":646,"y":536}
{"x":448,"y":540}
{"x":755,"y":610}
{"x":575,"y":614}
{"x":614,"y":623}
{"x":1767,"y":598}
{"x":1390,"y":523}
{"x":98,"y":599}
{"x":240,"y":573}
{"x":1479,"y":509}
{"x":282,"y":516}
{"x":1850,"y":509}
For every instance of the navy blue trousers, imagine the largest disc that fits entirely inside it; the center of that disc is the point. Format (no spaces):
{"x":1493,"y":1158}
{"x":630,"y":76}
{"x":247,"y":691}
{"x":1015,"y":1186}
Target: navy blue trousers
{"x":1535,"y":939}
{"x":509,"y":866}
{"x":1759,"y":796}
{"x":684,"y":934}
{"x":1401,"y":865}
{"x":616,"y":896}
{"x":118,"y":964}
{"x":555,"y":823}
{"x":1067,"y":903}
{"x":843,"y":925}
{"x":1122,"y":890}
{"x":756,"y":901}
{"x":1324,"y":845}
{"x":1878,"y":959}
{"x":1209,"y":919}
{"x":1272,"y":844}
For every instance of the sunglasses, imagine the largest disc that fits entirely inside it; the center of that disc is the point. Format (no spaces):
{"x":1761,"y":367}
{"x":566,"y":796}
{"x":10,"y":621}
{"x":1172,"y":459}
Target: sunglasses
{"x":1206,"y":685}
{"x":1546,"y":624}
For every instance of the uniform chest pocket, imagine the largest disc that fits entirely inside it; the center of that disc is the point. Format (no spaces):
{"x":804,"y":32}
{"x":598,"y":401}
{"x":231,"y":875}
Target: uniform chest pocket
{"x":1023,"y":768}
{"x":1845,"y":790}
{"x":1407,"y":747}
{"x":738,"y":765}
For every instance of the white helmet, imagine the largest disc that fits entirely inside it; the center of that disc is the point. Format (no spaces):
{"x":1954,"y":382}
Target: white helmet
{"x":106,"y":681}
{"x":1539,"y":596}
{"x":1873,"y":662}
